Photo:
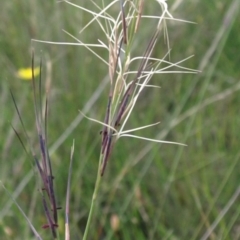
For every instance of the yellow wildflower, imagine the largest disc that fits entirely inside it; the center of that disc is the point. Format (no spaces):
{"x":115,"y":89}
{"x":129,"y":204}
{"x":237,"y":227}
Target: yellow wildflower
{"x":26,"y":73}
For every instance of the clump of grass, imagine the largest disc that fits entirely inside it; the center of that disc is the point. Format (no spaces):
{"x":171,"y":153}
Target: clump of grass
{"x":126,"y":83}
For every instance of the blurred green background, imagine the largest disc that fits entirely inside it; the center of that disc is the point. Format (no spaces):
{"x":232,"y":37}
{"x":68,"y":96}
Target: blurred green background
{"x":154,"y":191}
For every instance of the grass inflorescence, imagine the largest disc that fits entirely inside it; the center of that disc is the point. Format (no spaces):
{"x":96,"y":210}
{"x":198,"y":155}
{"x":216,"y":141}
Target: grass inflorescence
{"x":43,"y":165}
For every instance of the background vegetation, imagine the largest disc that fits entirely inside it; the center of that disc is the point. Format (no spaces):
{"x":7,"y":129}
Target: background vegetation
{"x":155,"y":191}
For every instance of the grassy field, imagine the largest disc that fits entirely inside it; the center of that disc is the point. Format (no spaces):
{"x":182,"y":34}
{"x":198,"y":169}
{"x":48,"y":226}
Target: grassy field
{"x":149,"y":190}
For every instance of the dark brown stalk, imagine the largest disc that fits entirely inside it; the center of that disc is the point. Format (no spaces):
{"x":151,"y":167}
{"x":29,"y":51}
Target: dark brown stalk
{"x":50,"y":176}
{"x":107,"y":152}
{"x":51,"y":224}
{"x":106,"y":121}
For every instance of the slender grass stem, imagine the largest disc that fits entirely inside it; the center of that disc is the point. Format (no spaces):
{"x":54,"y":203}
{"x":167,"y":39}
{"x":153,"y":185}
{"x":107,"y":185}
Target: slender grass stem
{"x":94,"y":197}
